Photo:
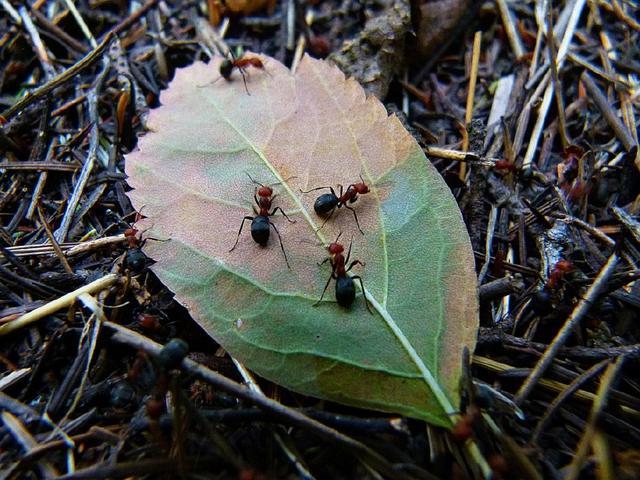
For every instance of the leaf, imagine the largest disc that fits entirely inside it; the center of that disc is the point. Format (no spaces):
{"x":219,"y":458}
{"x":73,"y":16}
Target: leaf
{"x":308,"y":130}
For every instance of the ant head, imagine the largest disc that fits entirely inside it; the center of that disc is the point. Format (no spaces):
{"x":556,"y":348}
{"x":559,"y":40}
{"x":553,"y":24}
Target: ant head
{"x":563,"y":266}
{"x":335,"y":248}
{"x":265,"y":191}
{"x":362,"y":187}
{"x":226,"y":67}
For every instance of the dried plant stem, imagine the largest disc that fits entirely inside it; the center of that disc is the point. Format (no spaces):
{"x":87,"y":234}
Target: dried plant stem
{"x":60,"y":79}
{"x":546,"y":99}
{"x":565,"y":395}
{"x":510,"y":28}
{"x":11,"y":11}
{"x":606,"y":385}
{"x":81,"y":23}
{"x":54,"y":244}
{"x":38,"y":46}
{"x":135,"y":340}
{"x":134,"y":17}
{"x":555,"y":81}
{"x":60,"y":303}
{"x":550,"y":385}
{"x":94,"y":140}
{"x":576,"y":316}
{"x":473,"y":78}
{"x":291,"y":454}
{"x":610,"y":116}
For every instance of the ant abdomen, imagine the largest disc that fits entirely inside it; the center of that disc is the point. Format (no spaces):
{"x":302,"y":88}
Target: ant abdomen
{"x":345,"y":291}
{"x":226,"y":68}
{"x":325,"y":203}
{"x":260,"y":230}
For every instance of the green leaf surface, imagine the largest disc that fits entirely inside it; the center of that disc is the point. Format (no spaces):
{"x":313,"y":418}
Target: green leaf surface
{"x":306,"y":130}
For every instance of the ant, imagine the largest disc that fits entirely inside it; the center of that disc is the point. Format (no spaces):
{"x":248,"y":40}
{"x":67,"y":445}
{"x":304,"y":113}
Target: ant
{"x":505,"y":165}
{"x":327,"y":203}
{"x":263,"y":197}
{"x":541,"y":301}
{"x":345,"y":287}
{"x":560,"y":269}
{"x":227,"y":66}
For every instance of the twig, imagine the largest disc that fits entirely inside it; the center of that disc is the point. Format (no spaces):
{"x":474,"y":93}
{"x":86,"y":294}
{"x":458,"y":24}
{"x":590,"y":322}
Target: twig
{"x":499,"y":288}
{"x":11,"y":11}
{"x":60,"y":79}
{"x":551,"y":385}
{"x":41,"y":51}
{"x":546,"y":99}
{"x":56,"y":30}
{"x":473,"y":78}
{"x":609,"y":115}
{"x":39,"y":166}
{"x":293,"y":417}
{"x":85,"y":173}
{"x":564,"y":395}
{"x":26,"y":440}
{"x":54,"y":244}
{"x":81,"y":23}
{"x":134,"y":17}
{"x":510,"y":29}
{"x":555,"y":79}
{"x":606,"y":385}
{"x":491,"y":229}
{"x":576,"y":316}
{"x":622,"y":15}
{"x":293,"y":456}
{"x":62,"y":302}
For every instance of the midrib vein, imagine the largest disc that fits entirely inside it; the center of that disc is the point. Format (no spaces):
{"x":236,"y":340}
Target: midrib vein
{"x":428,"y":377}
{"x":275,"y":173}
{"x":322,"y":82}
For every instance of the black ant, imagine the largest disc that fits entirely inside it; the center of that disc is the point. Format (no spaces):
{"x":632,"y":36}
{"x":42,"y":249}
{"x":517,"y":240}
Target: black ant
{"x":227,"y":66}
{"x":345,"y":287}
{"x":263,"y":197}
{"x":327,"y":203}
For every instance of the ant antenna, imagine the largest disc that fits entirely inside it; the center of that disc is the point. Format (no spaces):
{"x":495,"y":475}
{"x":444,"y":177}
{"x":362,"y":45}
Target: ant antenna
{"x":271,"y":184}
{"x":337,"y":238}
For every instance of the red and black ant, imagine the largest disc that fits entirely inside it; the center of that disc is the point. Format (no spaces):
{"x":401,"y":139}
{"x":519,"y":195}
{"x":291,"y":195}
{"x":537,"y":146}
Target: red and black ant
{"x":560,"y":269}
{"x":327,"y":203}
{"x":227,"y":66}
{"x":260,"y":224}
{"x":345,"y":286}
{"x":541,"y":300}
{"x":505,"y":165}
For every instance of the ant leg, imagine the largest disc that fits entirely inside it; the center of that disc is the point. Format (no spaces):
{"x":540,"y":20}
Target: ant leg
{"x":240,"y":231}
{"x":323,"y":262}
{"x":325,"y":220}
{"x":319,"y":188}
{"x":354,"y":216}
{"x":349,"y":251}
{"x":364,"y":296}
{"x":210,"y":83}
{"x":324,"y":291}
{"x":354,"y":263}
{"x":281,"y":246}
{"x":244,"y":79}
{"x":285,"y":215}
